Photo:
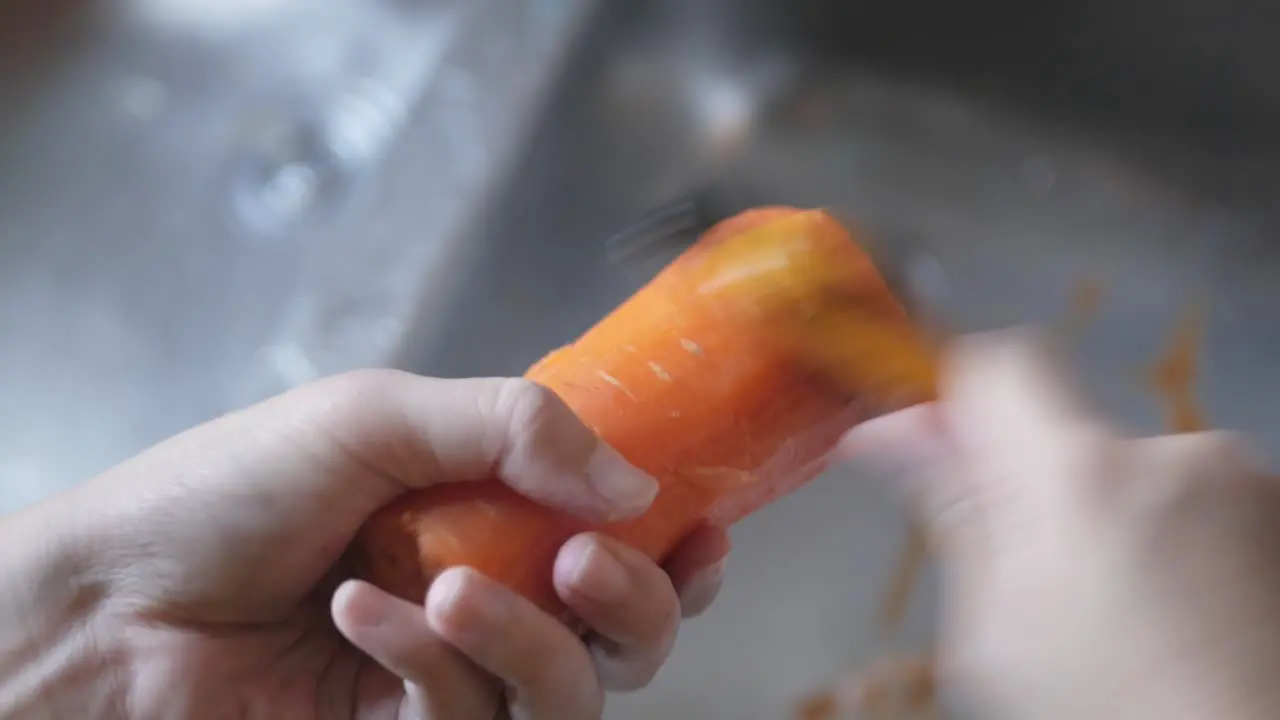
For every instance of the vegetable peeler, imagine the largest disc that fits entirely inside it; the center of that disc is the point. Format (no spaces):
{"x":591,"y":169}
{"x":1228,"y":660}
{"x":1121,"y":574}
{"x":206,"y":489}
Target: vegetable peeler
{"x":911,"y":272}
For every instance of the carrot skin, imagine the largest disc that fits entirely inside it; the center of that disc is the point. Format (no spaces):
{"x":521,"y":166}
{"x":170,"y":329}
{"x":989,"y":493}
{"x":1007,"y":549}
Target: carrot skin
{"x":708,"y":378}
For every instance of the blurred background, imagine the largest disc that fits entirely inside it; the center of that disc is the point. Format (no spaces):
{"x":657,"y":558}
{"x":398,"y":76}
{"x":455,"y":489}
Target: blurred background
{"x":206,"y":202}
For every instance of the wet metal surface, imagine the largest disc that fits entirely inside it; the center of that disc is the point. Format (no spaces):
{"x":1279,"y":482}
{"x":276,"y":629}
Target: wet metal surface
{"x":204,"y":203}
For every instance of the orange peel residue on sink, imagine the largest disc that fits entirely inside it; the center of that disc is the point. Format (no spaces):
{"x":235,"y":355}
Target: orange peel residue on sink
{"x":906,"y":687}
{"x":1083,"y":306}
{"x":1173,"y":376}
{"x":901,"y":688}
{"x":902,"y":583}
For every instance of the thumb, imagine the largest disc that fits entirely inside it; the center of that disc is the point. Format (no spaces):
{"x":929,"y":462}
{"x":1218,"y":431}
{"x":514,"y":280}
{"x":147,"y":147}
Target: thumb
{"x":418,"y":431}
{"x":252,"y":508}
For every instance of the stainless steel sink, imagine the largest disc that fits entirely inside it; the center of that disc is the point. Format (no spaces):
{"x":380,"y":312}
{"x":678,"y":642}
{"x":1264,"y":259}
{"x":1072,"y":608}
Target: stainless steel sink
{"x":204,"y":203}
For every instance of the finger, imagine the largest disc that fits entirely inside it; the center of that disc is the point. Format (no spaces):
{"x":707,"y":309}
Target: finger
{"x":904,"y":444}
{"x":1177,"y":469}
{"x":440,"y":684}
{"x":696,"y":568}
{"x":1014,"y":413}
{"x":628,"y":602}
{"x":547,"y":666}
{"x":912,"y":447}
{"x":896,"y":433}
{"x":1015,"y":384}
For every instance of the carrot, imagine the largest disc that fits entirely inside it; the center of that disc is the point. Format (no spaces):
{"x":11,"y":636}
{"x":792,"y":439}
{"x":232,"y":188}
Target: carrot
{"x":728,"y":377}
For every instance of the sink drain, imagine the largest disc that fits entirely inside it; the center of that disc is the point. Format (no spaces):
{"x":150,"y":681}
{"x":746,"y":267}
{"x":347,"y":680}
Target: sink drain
{"x":287,"y":183}
{"x":301,"y":163}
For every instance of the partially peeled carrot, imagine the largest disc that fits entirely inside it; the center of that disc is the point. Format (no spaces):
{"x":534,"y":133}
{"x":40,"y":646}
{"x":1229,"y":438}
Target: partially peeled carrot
{"x":729,"y":378}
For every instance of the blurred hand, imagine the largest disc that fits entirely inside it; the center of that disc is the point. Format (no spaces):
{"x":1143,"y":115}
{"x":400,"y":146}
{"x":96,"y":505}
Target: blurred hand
{"x":1088,"y":575}
{"x":204,"y":578}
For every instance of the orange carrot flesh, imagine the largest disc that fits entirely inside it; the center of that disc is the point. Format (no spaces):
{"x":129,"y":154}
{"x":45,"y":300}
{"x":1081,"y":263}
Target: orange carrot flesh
{"x":728,"y":377}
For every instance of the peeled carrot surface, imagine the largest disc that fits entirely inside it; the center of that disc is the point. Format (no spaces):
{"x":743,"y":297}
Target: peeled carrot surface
{"x":728,"y":377}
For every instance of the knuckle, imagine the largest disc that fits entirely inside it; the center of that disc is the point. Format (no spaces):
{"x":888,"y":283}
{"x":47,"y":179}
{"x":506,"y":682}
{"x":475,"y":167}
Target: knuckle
{"x":543,"y":437}
{"x":536,"y":673}
{"x":668,"y":616}
{"x":369,"y":379}
{"x":1214,"y":461}
{"x":1098,"y":455}
{"x":540,"y":658}
{"x":354,"y":403}
{"x":562,"y":680}
{"x":358,"y":389}
{"x":652,"y":613}
{"x":527,"y":407}
{"x":634,"y":667}
{"x":1196,"y":459}
{"x":1173,"y":471}
{"x":1094,"y":461}
{"x":1221,"y":450}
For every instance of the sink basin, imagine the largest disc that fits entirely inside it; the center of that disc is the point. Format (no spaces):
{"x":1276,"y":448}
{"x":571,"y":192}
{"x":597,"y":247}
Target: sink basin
{"x":202,"y":204}
{"x":1020,"y":166}
{"x":206,"y":202}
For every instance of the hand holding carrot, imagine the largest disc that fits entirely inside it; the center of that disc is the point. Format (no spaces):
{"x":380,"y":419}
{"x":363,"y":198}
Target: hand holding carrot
{"x":206,"y":577}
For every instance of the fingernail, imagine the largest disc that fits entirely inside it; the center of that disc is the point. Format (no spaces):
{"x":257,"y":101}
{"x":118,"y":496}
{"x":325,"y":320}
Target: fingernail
{"x":702,"y":588}
{"x":591,"y":571}
{"x":619,"y":482}
{"x":462,"y":604}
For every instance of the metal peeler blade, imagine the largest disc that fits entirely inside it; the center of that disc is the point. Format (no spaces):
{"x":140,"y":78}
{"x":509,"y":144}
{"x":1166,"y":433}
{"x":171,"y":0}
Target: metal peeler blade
{"x":910,"y":271}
